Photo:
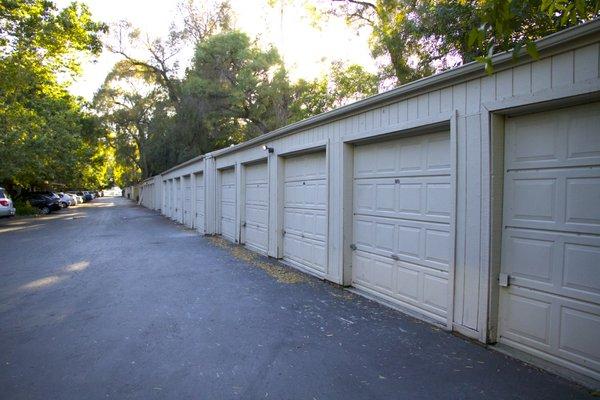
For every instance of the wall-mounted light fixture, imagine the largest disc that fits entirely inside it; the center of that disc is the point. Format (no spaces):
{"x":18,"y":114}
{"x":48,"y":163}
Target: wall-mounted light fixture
{"x":267,"y":148}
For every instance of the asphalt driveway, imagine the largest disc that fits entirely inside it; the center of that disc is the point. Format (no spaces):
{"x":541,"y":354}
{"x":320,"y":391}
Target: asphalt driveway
{"x":110,"y":300}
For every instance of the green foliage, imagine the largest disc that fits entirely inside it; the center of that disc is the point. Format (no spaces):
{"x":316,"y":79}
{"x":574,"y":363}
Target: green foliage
{"x":46,"y":136}
{"x":24,"y":208}
{"x":341,"y":86}
{"x":232,"y":91}
{"x":419,"y":38}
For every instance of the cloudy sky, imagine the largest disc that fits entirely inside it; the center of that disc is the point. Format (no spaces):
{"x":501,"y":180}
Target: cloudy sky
{"x":307,"y":51}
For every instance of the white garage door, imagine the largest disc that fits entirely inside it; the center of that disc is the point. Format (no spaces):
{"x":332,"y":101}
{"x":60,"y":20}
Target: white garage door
{"x":187,"y":201}
{"x":171,"y":199}
{"x":402,"y":209}
{"x":228,"y":201}
{"x":165,"y":200}
{"x":178,"y":201}
{"x":256,"y":207}
{"x":551,"y":237}
{"x":199,"y":211}
{"x":305,"y":212}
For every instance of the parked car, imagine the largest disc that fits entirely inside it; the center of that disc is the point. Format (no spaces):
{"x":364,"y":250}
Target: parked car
{"x":44,"y":202}
{"x":87,"y":196}
{"x":78,"y":199}
{"x":7,"y":208}
{"x":65,"y":200}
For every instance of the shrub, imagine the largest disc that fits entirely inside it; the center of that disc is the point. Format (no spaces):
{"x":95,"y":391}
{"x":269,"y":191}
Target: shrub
{"x":24,"y":208}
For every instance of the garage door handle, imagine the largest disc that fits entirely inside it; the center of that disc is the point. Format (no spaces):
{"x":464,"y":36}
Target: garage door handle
{"x":395,"y":257}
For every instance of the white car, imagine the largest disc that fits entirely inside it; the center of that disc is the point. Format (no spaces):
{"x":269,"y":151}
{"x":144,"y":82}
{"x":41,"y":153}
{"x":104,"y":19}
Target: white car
{"x":7,"y":208}
{"x":78,"y":199}
{"x":66,"y":200}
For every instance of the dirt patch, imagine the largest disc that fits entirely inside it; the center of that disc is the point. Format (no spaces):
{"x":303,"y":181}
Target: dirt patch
{"x":343,"y":294}
{"x":281,"y":273}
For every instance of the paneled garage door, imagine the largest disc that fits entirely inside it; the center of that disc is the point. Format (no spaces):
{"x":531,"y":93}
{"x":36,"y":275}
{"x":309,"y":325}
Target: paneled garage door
{"x":305,"y":212}
{"x":187,"y":201}
{"x":551,"y":237}
{"x":228,"y":201}
{"x":178,"y":201}
{"x":256,"y":207}
{"x":402,"y":209}
{"x":199,"y":209}
{"x":171,"y":194}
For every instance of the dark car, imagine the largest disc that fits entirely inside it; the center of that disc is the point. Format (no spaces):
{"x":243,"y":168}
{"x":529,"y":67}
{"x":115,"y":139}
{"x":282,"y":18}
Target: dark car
{"x":85,"y":195}
{"x":88,"y":196}
{"x":44,"y":202}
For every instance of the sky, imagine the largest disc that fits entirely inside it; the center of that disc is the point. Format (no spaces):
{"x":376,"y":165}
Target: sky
{"x":307,"y":51}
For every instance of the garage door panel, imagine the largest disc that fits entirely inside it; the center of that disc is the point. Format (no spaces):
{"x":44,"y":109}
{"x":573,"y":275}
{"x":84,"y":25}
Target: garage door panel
{"x":555,"y":138}
{"x":527,"y":319}
{"x":304,"y":252}
{"x":256,"y":215}
{"x":309,"y":224}
{"x":374,"y":272}
{"x":412,"y":156}
{"x":306,"y":167}
{"x":551,"y":237}
{"x":579,"y":336}
{"x":435,"y":293}
{"x":306,"y":194}
{"x":424,"y":198}
{"x":412,"y":241}
{"x":553,"y":262}
{"x":559,"y":327}
{"x":410,"y":284}
{"x":567,"y":199}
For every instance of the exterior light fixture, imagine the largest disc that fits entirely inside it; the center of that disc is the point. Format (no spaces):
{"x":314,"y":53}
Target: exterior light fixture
{"x":267,"y":148}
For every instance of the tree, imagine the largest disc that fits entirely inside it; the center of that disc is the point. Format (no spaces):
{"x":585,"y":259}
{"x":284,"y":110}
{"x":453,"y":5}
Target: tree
{"x":421,"y":37}
{"x":341,"y":86}
{"x":46,"y":135}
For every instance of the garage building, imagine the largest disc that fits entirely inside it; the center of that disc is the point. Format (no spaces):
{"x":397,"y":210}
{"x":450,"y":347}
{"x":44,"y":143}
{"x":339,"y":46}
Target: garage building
{"x":469,"y":200}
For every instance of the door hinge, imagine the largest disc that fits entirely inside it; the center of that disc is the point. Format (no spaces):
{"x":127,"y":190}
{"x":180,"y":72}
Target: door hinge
{"x":504,"y":279}
{"x":283,"y":232}
{"x":353,"y":246}
{"x":244,"y":224}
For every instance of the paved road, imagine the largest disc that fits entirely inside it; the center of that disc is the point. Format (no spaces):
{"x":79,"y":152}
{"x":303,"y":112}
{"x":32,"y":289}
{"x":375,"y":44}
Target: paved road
{"x":111,"y":300}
